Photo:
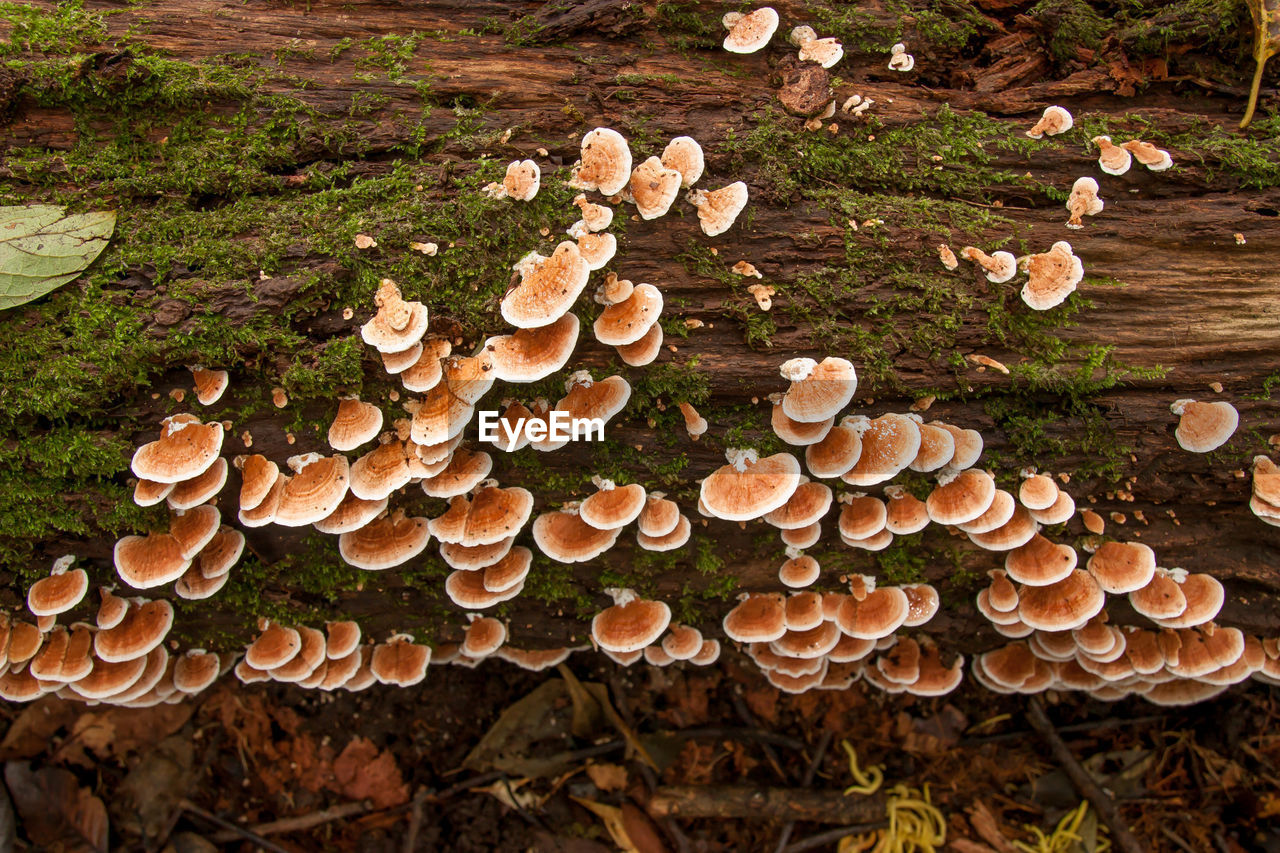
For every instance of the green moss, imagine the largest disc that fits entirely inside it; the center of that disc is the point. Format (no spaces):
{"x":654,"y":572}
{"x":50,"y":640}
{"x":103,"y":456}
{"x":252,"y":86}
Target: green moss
{"x":65,"y":28}
{"x":1071,"y":24}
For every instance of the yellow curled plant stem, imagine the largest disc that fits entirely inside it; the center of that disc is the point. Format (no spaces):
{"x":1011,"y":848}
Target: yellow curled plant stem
{"x":915,"y":826}
{"x":1266,"y":21}
{"x":866,"y":782}
{"x":1065,"y":834}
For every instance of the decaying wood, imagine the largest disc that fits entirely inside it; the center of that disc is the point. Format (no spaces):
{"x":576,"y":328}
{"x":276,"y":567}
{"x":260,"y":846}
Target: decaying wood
{"x":746,"y":801}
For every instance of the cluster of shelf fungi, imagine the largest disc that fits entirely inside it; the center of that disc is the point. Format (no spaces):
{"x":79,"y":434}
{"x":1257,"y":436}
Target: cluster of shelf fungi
{"x":840,"y":472}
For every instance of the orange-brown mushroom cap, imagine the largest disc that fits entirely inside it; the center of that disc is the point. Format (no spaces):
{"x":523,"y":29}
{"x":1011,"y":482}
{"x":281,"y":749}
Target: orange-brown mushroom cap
{"x":528,"y":355}
{"x":547,"y":289}
{"x":631,"y":624}
{"x":185,"y":449}
{"x":749,"y":487}
{"x":354,"y":424}
{"x":385,"y":542}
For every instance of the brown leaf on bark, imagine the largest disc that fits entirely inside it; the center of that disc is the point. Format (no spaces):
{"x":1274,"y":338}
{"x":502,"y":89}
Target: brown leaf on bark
{"x":607,"y":777}
{"x":117,"y":731}
{"x":57,"y":814}
{"x":361,"y":772}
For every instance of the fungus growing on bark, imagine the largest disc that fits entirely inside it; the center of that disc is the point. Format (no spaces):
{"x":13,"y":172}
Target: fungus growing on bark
{"x":748,"y":487}
{"x":400,"y":661}
{"x":1062,"y":605}
{"x":818,"y":390}
{"x":566,"y":538}
{"x":521,"y":182}
{"x":654,"y":187}
{"x":1155,"y":159}
{"x":1121,"y":567}
{"x":605,"y":163}
{"x":1203,"y":427}
{"x":203,"y":487}
{"x":889,"y":444}
{"x":758,"y":618}
{"x":1040,"y":562}
{"x":1053,"y":121}
{"x":631,"y":624}
{"x":548,"y":287}
{"x":718,"y":209}
{"x":612,"y":506}
{"x":490,"y":515}
{"x":398,"y":324}
{"x":318,"y":487}
{"x":643,"y":351}
{"x":596,"y":217}
{"x":1052,"y":276}
{"x":999,"y":266}
{"x":899,"y":59}
{"x":354,"y":424}
{"x":60,"y":591}
{"x":960,"y":496}
{"x":627,"y":321}
{"x":1083,"y":201}
{"x":837,"y":452}
{"x":937,"y":447}
{"x":185,"y":449}
{"x":1112,"y":159}
{"x":384,"y":542}
{"x":467,"y":590}
{"x":694,"y":424}
{"x":793,"y":432}
{"x":684,"y":155}
{"x":210,"y":384}
{"x":750,"y":32}
{"x":426,"y":370}
{"x":143,"y":628}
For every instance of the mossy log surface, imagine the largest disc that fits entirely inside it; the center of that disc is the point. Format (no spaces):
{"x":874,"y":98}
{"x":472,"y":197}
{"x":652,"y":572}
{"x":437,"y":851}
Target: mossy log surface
{"x":247,"y":144}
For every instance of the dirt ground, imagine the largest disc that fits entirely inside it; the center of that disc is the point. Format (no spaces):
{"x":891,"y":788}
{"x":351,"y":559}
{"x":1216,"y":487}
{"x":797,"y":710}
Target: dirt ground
{"x":439,"y":767}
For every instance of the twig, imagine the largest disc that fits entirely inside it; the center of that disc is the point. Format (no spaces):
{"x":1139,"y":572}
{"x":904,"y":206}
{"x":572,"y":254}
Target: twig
{"x":415,"y":821}
{"x":1121,"y":837}
{"x":822,"y":839}
{"x":1173,"y":837}
{"x":1109,"y":723}
{"x":818,"y":754}
{"x":732,"y":732}
{"x":239,"y":831}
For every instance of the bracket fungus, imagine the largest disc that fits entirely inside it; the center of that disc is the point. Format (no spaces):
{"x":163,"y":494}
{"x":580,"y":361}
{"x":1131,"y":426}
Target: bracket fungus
{"x":548,"y":287}
{"x":566,"y":538}
{"x":605,"y":162}
{"x":1052,"y":276}
{"x":1203,"y":427}
{"x":818,"y":390}
{"x":1053,"y":121}
{"x":596,"y":217}
{"x":210,"y":384}
{"x":384,"y":542}
{"x":899,"y":59}
{"x":750,"y":32}
{"x":354,"y":424}
{"x":718,"y":209}
{"x":60,"y":591}
{"x":890,"y":443}
{"x":629,"y":319}
{"x":999,"y":266}
{"x":521,"y":182}
{"x":654,"y":188}
{"x":684,"y":155}
{"x":1083,"y":201}
{"x":612,"y":506}
{"x":489,"y":515}
{"x":1155,"y":159}
{"x":1112,"y":159}
{"x":631,"y":624}
{"x":398,"y":324}
{"x":185,"y":449}
{"x":748,"y":487}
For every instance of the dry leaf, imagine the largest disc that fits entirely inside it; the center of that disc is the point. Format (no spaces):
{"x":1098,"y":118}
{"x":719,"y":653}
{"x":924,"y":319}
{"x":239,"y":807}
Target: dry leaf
{"x":57,"y":814}
{"x":607,"y":777}
{"x":35,"y":727}
{"x":362,"y":773}
{"x":117,"y":731}
{"x":611,"y":817}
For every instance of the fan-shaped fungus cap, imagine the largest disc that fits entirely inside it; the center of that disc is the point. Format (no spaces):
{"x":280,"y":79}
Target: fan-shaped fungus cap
{"x":862,"y":516}
{"x":968,"y":445}
{"x":900,"y":664}
{"x":426,"y":371}
{"x":997,"y":515}
{"x":274,"y":647}
{"x":999,"y":266}
{"x":112,"y":609}
{"x":1055,"y":120}
{"x":258,"y":476}
{"x":906,"y":514}
{"x":185,"y":449}
{"x":1040,"y":562}
{"x":836,"y":453}
{"x":60,"y":591}
{"x":469,"y":377}
{"x":628,"y":321}
{"x":194,"y":528}
{"x":961,"y":496}
{"x":400,"y":661}
{"x":566,"y":538}
{"x":899,"y":59}
{"x":758,"y":618}
{"x":937,"y":447}
{"x":1204,"y":595}
{"x":934,"y":678}
{"x":195,"y":670}
{"x":399,"y":362}
{"x":203,"y":487}
{"x":654,"y":188}
{"x":612,"y":506}
{"x":643,"y":351}
{"x":613,"y":290}
{"x":484,"y":636}
{"x":439,"y":417}
{"x":718,"y":209}
{"x":1121,"y":567}
{"x":682,"y":642}
{"x":210,"y":384}
{"x":1204,"y":426}
{"x":1162,"y":597}
{"x":1038,"y":491}
{"x":879,"y":614}
{"x":315,"y":492}
{"x":532,"y":354}
{"x":819,"y":390}
{"x":1112,"y":159}
{"x":143,"y":627}
{"x":108,"y":680}
{"x":807,"y":504}
{"x":605,"y":164}
{"x":467,"y":590}
{"x":752,"y":31}
{"x":490,"y":515}
{"x":65,"y":655}
{"x":150,"y":493}
{"x":824,"y":51}
{"x":799,"y":571}
{"x":889,"y":444}
{"x":1155,"y":159}
{"x":1018,"y":530}
{"x":522,"y":180}
{"x":149,"y":561}
{"x":801,"y":34}
{"x":796,"y":433}
{"x":1266,"y":480}
{"x":748,"y":487}
{"x":659,"y":516}
{"x":355,"y":423}
{"x":596,"y":217}
{"x":587,"y":399}
{"x":1083,"y":201}
{"x":684,"y":155}
{"x":630,"y":624}
{"x":802,"y":612}
{"x":351,"y":514}
{"x":398,"y":324}
{"x":1052,"y":277}
{"x":675,"y":539}
{"x":464,"y":472}
{"x":385,"y":542}
{"x":548,"y":287}
{"x":1062,"y":605}
{"x":509,"y":572}
{"x":1064,"y":506}
{"x":342,"y":639}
